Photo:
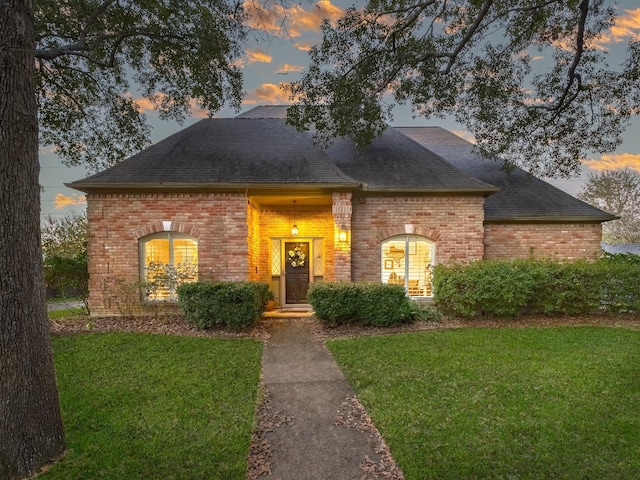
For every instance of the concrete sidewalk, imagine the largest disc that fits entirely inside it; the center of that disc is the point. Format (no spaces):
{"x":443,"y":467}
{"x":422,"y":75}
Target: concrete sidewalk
{"x":320,"y":431}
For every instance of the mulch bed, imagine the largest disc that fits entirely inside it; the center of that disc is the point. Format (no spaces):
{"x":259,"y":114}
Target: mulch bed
{"x":174,"y":325}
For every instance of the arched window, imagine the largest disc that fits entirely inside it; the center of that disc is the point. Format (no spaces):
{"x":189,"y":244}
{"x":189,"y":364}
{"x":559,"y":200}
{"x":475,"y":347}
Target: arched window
{"x":167,"y":259}
{"x":408,"y":260}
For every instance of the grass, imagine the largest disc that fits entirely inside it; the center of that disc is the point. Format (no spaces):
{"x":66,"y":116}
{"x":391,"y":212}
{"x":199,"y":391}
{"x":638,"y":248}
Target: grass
{"x":151,"y":406}
{"x":66,"y":313}
{"x":533,"y":403}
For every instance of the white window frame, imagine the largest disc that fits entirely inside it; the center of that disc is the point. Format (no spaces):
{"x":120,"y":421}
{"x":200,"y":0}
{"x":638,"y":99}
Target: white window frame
{"x":405,"y":274}
{"x":169,"y":294}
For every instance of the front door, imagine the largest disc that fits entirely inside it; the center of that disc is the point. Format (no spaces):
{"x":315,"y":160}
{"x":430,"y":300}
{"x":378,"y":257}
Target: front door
{"x":296,"y":271}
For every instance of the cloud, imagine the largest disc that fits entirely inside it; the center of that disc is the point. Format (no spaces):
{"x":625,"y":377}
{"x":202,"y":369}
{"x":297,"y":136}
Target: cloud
{"x":614,"y":161}
{"x":289,"y":22}
{"x":626,"y":26}
{"x":286,"y":68}
{"x":147,"y":105}
{"x":268,"y":94}
{"x":61,"y":201}
{"x":303,"y":46}
{"x":465,"y":135}
{"x":255,"y":56}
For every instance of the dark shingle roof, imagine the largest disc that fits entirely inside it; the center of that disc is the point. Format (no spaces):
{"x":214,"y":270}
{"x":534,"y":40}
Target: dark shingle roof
{"x":226,"y":151}
{"x":522,"y":197}
{"x":257,"y":149}
{"x":394,"y":162}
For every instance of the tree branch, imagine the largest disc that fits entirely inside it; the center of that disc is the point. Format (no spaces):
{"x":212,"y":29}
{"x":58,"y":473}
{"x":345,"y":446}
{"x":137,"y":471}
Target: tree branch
{"x":572,"y":76}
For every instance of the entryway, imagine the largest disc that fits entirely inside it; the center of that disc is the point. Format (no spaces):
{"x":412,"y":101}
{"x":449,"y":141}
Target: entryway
{"x":296,"y":272}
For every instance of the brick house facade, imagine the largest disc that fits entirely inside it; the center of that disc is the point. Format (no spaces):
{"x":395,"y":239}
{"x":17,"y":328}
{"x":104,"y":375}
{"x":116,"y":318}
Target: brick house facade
{"x":387,"y":215}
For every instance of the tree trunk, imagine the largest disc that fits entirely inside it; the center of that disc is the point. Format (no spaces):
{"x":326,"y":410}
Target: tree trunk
{"x":31,"y":431}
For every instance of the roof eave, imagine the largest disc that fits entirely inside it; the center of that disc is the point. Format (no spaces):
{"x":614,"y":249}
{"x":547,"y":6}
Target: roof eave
{"x":458,"y":190}
{"x":88,"y":187}
{"x":550,"y":219}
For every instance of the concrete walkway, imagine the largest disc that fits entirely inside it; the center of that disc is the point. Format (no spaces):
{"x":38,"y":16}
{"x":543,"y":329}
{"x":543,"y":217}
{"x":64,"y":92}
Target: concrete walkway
{"x":321,"y":431}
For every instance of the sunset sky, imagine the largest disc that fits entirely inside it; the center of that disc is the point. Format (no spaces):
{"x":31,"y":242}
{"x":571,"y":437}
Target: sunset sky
{"x":279,"y":54}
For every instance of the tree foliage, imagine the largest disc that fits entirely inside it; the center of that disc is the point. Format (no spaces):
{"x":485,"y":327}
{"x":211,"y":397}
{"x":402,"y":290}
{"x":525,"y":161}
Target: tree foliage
{"x":65,"y":236}
{"x":617,"y":192}
{"x":526,"y":77}
{"x":64,"y":247}
{"x":92,"y":55}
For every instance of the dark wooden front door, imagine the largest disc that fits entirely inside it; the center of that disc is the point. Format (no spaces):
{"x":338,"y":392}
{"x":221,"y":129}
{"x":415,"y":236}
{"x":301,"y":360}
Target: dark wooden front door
{"x":296,"y":271}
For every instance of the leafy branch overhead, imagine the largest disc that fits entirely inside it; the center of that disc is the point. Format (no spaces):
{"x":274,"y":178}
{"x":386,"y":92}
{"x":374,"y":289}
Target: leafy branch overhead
{"x":529,"y":78}
{"x":91,"y":55}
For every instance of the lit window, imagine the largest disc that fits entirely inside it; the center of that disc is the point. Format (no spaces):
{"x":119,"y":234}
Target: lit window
{"x":168,"y":259}
{"x":408,"y":260}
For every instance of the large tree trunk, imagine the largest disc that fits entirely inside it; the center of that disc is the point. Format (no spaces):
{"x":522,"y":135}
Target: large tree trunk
{"x":30,"y":423}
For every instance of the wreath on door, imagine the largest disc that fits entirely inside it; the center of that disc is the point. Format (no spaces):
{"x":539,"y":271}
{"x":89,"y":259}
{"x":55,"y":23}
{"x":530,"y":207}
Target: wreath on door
{"x":296,"y":257}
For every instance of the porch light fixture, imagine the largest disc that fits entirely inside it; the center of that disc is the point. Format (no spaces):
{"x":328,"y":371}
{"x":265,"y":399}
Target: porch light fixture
{"x":294,"y":228}
{"x":342,"y":235}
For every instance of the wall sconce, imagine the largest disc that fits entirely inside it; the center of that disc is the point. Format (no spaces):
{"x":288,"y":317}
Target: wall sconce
{"x":294,"y":228}
{"x":342,"y":235}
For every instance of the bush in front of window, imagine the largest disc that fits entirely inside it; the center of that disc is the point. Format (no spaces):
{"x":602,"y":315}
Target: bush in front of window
{"x":372,"y":304}
{"x":235,"y":305}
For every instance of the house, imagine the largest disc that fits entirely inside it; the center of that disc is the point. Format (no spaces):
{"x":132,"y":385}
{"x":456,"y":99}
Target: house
{"x":250,"y":198}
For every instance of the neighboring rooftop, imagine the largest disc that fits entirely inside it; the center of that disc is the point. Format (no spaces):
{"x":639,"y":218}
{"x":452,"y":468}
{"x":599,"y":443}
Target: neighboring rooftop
{"x":633,"y":248}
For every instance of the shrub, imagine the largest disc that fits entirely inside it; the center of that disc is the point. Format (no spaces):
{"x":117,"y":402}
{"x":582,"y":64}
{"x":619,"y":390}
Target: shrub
{"x":491,"y":288}
{"x":364,"y":303}
{"x":511,"y":287}
{"x":620,"y":292}
{"x":68,"y":275}
{"x":231,"y":304}
{"x":425,"y":313}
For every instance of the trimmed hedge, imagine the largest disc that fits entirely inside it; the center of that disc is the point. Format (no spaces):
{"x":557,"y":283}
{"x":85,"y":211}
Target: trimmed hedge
{"x":507,"y":288}
{"x":364,"y":303}
{"x":231,"y":304}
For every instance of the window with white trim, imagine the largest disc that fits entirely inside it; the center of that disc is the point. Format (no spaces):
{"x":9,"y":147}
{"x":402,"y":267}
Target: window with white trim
{"x":408,"y":260}
{"x":167,"y":260}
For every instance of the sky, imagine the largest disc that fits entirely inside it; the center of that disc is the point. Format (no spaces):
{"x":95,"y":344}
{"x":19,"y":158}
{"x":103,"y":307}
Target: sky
{"x":280,"y":55}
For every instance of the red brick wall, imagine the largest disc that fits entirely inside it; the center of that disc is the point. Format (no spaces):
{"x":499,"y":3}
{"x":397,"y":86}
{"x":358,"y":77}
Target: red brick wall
{"x":234,"y":236}
{"x":564,"y":241}
{"x":455,"y":223}
{"x":118,"y":221}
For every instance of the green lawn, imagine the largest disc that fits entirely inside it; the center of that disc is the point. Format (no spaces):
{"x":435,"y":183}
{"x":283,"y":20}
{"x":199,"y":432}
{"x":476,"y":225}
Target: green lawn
{"x":156,"y":407}
{"x":534,"y":403}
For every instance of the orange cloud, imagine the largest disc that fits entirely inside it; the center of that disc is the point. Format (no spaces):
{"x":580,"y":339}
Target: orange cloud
{"x":268,"y":94}
{"x":61,"y":201}
{"x":614,"y":161}
{"x":255,"y":56}
{"x":147,"y":105}
{"x":303,"y":46}
{"x":286,"y":68}
{"x":627,"y":25}
{"x":465,"y":135}
{"x":289,"y":22}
